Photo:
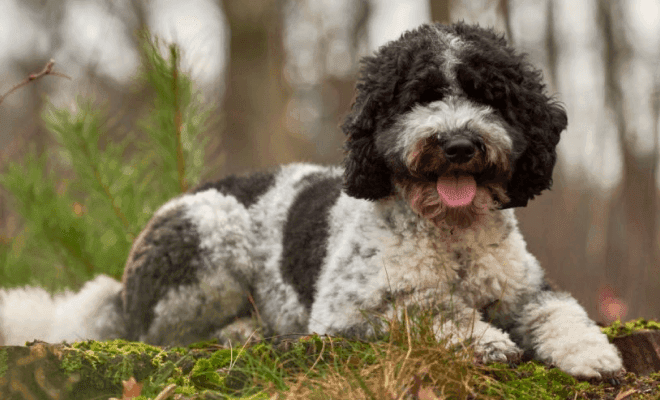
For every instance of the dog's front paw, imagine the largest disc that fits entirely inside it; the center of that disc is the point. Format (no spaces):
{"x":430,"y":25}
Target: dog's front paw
{"x":590,"y":361}
{"x":498,"y":350}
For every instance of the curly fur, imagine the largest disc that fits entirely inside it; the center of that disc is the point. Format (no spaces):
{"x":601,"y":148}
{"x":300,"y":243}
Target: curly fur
{"x":490,"y":73}
{"x":450,"y":129}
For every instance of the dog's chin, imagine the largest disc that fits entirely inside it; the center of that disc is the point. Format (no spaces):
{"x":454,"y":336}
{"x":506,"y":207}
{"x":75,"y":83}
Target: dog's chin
{"x":444,"y":209}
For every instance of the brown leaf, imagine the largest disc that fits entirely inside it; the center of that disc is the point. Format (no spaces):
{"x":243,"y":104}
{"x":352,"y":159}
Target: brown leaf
{"x":426,"y":393}
{"x":623,"y":395}
{"x":132,"y":389}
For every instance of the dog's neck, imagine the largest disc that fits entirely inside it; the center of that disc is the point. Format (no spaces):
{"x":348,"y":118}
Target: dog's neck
{"x":397,"y":214}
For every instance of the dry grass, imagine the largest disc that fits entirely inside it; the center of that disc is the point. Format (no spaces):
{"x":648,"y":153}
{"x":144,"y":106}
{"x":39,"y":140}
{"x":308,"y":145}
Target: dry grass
{"x":411,"y":364}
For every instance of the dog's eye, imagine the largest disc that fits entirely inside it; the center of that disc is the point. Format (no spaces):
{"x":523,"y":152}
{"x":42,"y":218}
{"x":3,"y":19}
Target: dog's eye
{"x":429,"y":96}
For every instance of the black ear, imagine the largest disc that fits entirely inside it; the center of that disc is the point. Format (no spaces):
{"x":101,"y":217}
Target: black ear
{"x":366,"y":175}
{"x":390,"y":82}
{"x":533,"y":170}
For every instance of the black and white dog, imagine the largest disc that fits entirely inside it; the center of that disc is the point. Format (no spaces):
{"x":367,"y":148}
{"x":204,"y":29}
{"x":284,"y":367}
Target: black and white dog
{"x":450,"y":130}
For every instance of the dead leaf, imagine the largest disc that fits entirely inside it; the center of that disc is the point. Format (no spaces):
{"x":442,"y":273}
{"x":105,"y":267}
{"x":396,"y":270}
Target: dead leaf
{"x":426,"y":393}
{"x":132,"y":389}
{"x":623,"y":395}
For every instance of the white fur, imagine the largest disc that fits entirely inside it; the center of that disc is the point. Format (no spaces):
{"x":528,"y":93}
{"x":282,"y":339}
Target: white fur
{"x":453,"y":45}
{"x":32,"y":313}
{"x":440,"y":117}
{"x":566,"y":337}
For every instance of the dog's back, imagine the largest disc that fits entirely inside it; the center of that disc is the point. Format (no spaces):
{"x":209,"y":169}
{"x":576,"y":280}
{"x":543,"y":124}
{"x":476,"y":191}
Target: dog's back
{"x":192,"y":270}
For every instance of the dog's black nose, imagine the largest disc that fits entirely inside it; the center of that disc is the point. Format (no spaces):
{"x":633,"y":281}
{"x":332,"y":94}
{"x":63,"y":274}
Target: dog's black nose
{"x":459,"y":150}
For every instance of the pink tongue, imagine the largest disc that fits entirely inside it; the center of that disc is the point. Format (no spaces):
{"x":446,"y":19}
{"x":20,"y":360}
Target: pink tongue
{"x":457,"y":191}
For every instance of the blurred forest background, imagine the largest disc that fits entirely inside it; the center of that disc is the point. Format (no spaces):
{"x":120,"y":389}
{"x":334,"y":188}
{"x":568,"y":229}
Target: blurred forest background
{"x":279,"y":76}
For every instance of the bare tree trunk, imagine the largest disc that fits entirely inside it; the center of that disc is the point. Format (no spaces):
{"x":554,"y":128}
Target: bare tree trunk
{"x":440,"y":11}
{"x":630,"y":245}
{"x":551,"y":43}
{"x":655,"y":264}
{"x":338,"y":92}
{"x":256,"y":97}
{"x":504,"y":11}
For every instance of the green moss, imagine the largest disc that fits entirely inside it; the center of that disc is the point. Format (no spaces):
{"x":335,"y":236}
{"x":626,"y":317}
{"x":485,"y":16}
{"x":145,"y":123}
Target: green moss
{"x":617,"y":328}
{"x":207,"y":373}
{"x":104,"y":365}
{"x":261,"y":370}
{"x":3,"y":362}
{"x":533,"y":381}
{"x":206,"y":370}
{"x":203,"y":344}
{"x":117,"y":346}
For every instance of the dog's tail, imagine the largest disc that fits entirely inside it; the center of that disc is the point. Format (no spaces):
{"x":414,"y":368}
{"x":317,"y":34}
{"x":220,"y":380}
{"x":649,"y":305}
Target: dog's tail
{"x":31,"y":313}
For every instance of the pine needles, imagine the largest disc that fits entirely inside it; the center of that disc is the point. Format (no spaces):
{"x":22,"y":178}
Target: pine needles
{"x":79,"y":227}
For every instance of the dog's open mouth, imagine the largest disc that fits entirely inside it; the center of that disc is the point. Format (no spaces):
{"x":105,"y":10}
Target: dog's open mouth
{"x":456,"y":190}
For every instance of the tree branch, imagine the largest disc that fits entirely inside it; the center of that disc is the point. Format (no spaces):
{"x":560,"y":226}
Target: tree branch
{"x":48,"y":70}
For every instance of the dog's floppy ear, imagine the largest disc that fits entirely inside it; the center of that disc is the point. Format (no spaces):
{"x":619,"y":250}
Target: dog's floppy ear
{"x":390,"y":82}
{"x":366,"y":175}
{"x":533,"y":170}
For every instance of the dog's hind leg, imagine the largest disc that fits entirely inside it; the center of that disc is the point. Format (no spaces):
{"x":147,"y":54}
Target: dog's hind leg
{"x":188,"y":273}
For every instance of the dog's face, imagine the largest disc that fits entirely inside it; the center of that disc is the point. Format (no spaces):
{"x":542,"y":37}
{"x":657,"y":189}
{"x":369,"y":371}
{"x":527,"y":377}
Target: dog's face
{"x":455,"y":120}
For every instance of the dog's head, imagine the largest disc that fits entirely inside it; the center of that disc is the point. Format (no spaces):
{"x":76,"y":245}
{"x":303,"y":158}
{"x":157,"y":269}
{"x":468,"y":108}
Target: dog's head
{"x":455,"y":119}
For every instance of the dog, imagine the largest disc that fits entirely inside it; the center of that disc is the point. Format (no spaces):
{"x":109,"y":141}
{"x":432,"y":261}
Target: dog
{"x":450,"y":130}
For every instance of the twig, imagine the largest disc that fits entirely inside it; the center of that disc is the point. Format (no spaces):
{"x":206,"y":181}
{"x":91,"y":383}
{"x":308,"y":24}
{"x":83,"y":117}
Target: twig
{"x":317,"y":358}
{"x":180,"y":162}
{"x":166,"y":393}
{"x":622,"y":395}
{"x":48,"y":70}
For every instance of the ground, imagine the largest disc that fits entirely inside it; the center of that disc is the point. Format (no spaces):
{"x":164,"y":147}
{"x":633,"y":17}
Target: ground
{"x":405,"y":366}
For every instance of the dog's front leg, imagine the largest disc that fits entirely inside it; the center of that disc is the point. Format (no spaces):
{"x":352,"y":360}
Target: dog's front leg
{"x":491,"y":344}
{"x":559,"y":332}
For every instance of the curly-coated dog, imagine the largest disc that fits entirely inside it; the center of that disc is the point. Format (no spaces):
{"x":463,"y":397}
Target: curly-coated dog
{"x":450,"y":129}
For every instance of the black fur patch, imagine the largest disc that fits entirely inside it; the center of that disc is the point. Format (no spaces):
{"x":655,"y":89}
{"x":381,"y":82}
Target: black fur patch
{"x":247,"y":189}
{"x":306,"y":234}
{"x":168,"y":256}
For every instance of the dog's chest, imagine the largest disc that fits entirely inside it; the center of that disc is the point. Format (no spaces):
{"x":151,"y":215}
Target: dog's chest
{"x":444,"y":260}
{"x":420,"y":260}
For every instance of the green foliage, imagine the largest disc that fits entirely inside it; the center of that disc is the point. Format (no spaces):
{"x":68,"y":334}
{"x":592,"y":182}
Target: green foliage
{"x":3,"y":362}
{"x":81,"y":220}
{"x":204,"y":374}
{"x":532,"y":381}
{"x":320,"y":367}
{"x":176,"y":113}
{"x":103,"y":366}
{"x":618,"y":328}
